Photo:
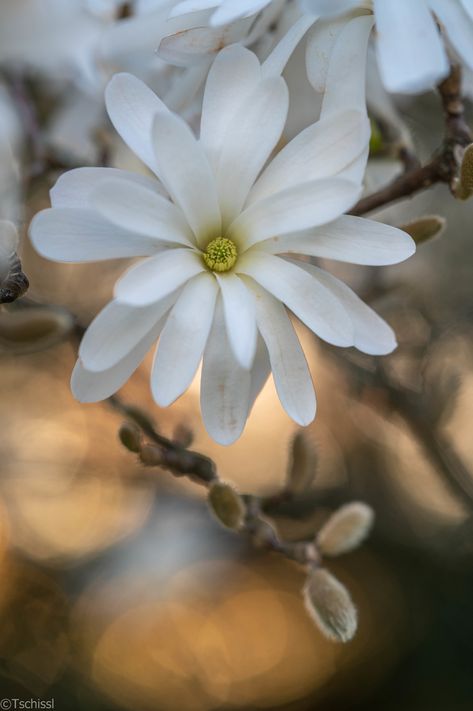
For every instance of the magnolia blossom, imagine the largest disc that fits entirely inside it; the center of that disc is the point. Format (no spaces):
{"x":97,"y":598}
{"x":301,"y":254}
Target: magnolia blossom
{"x":411,"y":53}
{"x":223,"y":237}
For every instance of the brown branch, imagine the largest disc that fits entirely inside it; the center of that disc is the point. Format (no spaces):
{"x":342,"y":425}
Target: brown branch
{"x":443,"y":167}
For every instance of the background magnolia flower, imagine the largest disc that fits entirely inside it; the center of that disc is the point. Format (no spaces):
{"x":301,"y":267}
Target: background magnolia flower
{"x":411,"y":53}
{"x":213,"y":285}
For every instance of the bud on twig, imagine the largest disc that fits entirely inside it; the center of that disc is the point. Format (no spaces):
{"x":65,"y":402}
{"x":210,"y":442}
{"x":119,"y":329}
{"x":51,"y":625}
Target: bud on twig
{"x":464,"y":187}
{"x":302,"y":465}
{"x":152,"y":456}
{"x":423,"y":229}
{"x":183,"y":436}
{"x":345,"y":529}
{"x":329,"y":604}
{"x":130,"y":436}
{"x":227,"y":505}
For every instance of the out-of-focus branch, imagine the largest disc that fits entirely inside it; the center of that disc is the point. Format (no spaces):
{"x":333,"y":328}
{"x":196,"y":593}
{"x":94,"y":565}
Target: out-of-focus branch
{"x":445,"y":165}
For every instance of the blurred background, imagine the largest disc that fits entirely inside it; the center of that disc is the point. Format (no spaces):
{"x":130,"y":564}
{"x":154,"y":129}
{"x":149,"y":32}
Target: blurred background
{"x":118,"y":588}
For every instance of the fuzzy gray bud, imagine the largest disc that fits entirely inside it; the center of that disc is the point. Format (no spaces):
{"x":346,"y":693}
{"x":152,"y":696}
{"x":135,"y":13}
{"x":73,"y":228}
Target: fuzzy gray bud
{"x":329,"y":604}
{"x":345,"y":529}
{"x":227,"y":504}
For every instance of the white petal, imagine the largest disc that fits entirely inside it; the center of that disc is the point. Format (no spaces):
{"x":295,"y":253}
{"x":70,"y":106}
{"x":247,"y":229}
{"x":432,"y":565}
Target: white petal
{"x":348,"y":239}
{"x":312,"y":303}
{"x":320,"y":43}
{"x":132,"y":107}
{"x":230,"y":11}
{"x":240,"y":318}
{"x":76,"y":235}
{"x":458,"y":25}
{"x":329,"y":8}
{"x":186,"y":6}
{"x":275,"y":63}
{"x":225,"y":386}
{"x":73,"y":189}
{"x":116,"y":330}
{"x":183,"y":339}
{"x":88,"y":386}
{"x":195,"y":45}
{"x":154,"y":278}
{"x":410,"y":51}
{"x":288,"y":364}
{"x":321,"y":150}
{"x":252,"y":134}
{"x":186,"y":174}
{"x":260,"y":371}
{"x":138,"y":209}
{"x":306,"y":205}
{"x":372,"y":334}
{"x":223,"y":96}
{"x":346,"y":76}
{"x":468,"y":6}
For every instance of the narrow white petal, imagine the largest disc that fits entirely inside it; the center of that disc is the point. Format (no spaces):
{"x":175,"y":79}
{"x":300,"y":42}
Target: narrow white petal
{"x":348,"y":239}
{"x":410,"y":51}
{"x":321,"y":150}
{"x":275,"y":63}
{"x":225,"y":386}
{"x":183,"y":339}
{"x":320,"y":43}
{"x":232,"y":77}
{"x":116,"y":330}
{"x":298,"y":208}
{"x":187,"y":6}
{"x":288,"y":364}
{"x":140,"y":210}
{"x":77,"y":235}
{"x":231,"y":11}
{"x":88,"y":386}
{"x":240,"y":318}
{"x":186,"y":174}
{"x":260,"y":371}
{"x":132,"y":107}
{"x":154,"y":278}
{"x":372,"y":334}
{"x":252,"y":134}
{"x":199,"y":45}
{"x":458,"y":24}
{"x":346,"y":76}
{"x":468,"y":6}
{"x":329,"y":8}
{"x":311,"y":302}
{"x":73,"y":189}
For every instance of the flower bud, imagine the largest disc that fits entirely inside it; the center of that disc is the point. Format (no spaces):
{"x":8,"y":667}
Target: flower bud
{"x":226,"y":504}
{"x":345,"y":529}
{"x":183,"y":436}
{"x":303,"y":464}
{"x":33,"y":329}
{"x":152,"y":456}
{"x":423,"y":229}
{"x":329,"y":604}
{"x":464,"y":188}
{"x":130,"y":436}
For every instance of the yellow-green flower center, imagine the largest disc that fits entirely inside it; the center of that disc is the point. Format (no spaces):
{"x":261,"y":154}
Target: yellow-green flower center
{"x":220,"y":255}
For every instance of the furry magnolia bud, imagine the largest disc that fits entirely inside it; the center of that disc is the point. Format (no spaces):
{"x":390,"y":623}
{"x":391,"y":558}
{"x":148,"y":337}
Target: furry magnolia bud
{"x":302,"y":465}
{"x":425,"y":228}
{"x":345,"y":529}
{"x":464,"y":188}
{"x":227,"y":504}
{"x":329,"y":604}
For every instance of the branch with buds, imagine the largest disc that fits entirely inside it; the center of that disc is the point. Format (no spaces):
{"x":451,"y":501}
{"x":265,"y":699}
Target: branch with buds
{"x":452,"y":164}
{"x":326,"y":599}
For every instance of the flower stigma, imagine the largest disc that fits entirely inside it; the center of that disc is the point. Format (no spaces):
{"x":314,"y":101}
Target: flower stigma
{"x":220,"y":255}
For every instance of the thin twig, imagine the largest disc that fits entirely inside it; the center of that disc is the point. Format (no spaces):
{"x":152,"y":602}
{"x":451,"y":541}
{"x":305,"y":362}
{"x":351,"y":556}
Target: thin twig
{"x":445,"y":164}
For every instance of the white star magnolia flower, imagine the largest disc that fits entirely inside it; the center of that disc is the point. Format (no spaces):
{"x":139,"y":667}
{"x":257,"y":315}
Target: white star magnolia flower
{"x":218,"y":279}
{"x":411,"y":54}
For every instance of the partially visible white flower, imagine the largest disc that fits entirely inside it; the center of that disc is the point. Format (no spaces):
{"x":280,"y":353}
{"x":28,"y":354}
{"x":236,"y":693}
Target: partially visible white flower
{"x":218,"y":230}
{"x":411,"y":52}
